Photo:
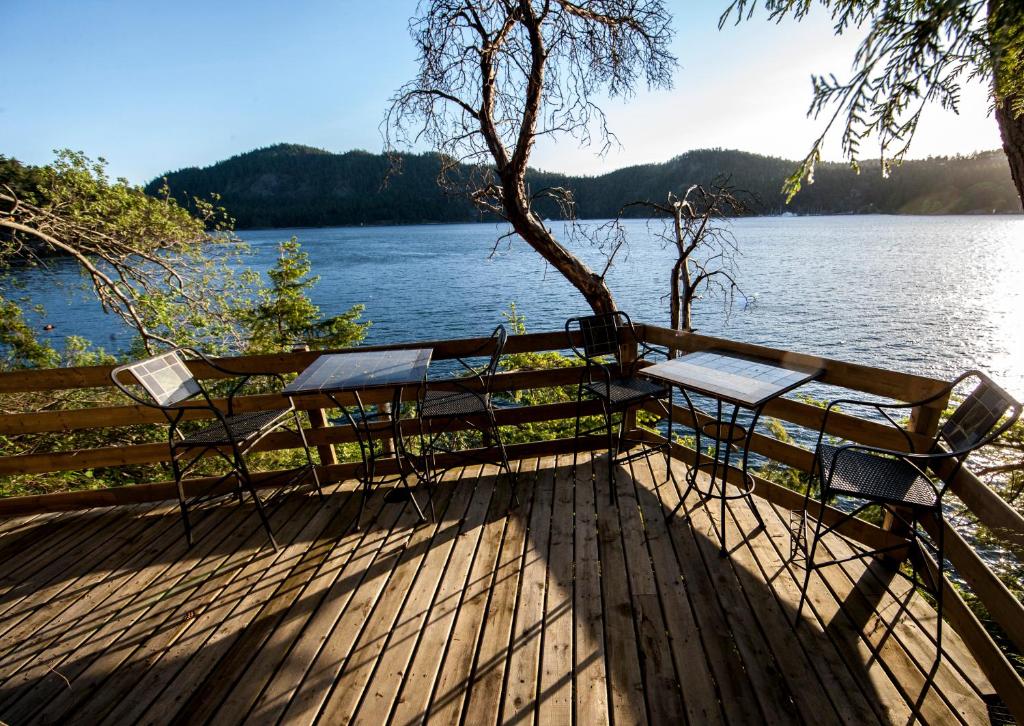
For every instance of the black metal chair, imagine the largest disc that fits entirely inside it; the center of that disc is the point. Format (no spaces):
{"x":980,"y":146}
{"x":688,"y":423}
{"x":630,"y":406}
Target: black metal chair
{"x":900,"y":481}
{"x":615,"y":384}
{"x":465,"y":400}
{"x":173,"y":389}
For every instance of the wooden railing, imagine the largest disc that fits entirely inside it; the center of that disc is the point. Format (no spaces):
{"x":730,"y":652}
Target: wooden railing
{"x":985,"y":504}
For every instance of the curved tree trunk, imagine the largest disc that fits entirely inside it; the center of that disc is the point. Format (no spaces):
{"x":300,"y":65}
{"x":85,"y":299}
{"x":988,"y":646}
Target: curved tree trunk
{"x":1012,"y":131}
{"x":532,"y":230}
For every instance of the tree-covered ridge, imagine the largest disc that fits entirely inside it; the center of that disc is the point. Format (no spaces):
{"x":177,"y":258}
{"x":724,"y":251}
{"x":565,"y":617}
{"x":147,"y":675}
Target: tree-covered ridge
{"x":289,"y":185}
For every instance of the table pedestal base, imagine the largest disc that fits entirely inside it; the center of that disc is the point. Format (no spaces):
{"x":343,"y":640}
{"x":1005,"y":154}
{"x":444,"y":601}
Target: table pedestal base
{"x":726,"y":435}
{"x":365,"y":426}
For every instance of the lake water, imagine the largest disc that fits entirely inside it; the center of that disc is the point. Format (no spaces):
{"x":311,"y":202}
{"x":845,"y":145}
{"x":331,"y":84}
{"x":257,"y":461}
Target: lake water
{"x":931,"y":295}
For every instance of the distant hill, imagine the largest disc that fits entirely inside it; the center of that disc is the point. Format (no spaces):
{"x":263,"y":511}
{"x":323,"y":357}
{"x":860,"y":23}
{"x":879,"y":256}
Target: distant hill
{"x":288,"y":185}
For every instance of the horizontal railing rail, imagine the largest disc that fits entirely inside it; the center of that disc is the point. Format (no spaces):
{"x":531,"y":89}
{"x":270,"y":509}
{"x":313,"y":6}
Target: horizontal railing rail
{"x":984,"y":503}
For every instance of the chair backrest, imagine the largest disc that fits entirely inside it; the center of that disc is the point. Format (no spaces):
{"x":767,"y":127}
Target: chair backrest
{"x":500,"y":337}
{"x":601,"y":334}
{"x":165,"y":377}
{"x":976,"y":421}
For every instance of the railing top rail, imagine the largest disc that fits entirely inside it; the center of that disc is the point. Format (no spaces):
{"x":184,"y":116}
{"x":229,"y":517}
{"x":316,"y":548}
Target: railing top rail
{"x":855,"y":376}
{"x":53,"y":379}
{"x":869,"y":379}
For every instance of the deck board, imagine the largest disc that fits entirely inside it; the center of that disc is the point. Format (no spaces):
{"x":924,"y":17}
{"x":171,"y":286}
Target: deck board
{"x":479,"y":682}
{"x":590,"y":668}
{"x":563,"y":609}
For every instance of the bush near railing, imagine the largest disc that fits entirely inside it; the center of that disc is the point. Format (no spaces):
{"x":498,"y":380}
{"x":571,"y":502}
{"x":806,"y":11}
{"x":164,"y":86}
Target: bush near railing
{"x":546,"y":409}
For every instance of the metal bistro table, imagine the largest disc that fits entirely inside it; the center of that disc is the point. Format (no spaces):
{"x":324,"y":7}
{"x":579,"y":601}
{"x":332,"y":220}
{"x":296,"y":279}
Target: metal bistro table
{"x":355,"y":373}
{"x":731,"y":379}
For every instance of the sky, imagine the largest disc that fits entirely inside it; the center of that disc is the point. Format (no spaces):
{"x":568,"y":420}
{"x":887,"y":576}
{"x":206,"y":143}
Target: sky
{"x":153,"y":87}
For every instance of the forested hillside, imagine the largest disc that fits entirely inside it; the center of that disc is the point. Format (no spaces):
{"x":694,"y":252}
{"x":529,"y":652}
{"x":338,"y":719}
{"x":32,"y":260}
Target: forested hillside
{"x":298,"y":186}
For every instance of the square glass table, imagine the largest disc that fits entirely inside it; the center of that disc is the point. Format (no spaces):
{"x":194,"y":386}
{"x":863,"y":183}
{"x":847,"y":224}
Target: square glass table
{"x":731,"y":379}
{"x":336,"y":374}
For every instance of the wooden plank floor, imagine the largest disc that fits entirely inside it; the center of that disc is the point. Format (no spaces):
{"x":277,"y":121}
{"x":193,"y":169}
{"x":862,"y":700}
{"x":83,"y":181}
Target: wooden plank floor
{"x":581,"y":605}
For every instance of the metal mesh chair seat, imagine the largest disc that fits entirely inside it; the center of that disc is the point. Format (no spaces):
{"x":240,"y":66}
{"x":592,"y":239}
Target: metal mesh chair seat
{"x":241,"y":427}
{"x":876,"y":477}
{"x":623,"y":391}
{"x":451,"y":403}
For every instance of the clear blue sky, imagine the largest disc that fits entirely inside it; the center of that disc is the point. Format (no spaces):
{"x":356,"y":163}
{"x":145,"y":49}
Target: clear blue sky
{"x":157,"y":86}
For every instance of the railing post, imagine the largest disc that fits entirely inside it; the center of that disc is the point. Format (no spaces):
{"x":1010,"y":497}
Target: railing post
{"x":627,"y":354}
{"x":317,"y":420}
{"x":924,"y":420}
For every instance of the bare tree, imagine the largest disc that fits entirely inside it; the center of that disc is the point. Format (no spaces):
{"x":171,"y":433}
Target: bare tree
{"x":706,"y":249}
{"x":497,"y":75}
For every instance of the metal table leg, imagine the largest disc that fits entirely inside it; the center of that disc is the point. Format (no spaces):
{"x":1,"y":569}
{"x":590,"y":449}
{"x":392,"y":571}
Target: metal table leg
{"x":364,"y":436}
{"x":719,"y":464}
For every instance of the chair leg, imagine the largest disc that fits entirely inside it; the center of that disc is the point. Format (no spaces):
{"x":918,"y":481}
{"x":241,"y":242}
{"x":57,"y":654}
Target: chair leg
{"x":429,"y":468}
{"x":669,"y":474}
{"x":182,"y":502}
{"x":915,"y":551}
{"x":794,"y":542}
{"x":939,"y":585}
{"x":426,"y":453}
{"x":576,"y":436}
{"x":247,"y":479}
{"x":309,"y":455}
{"x":496,"y":435}
{"x":809,"y":567}
{"x":412,"y":496}
{"x":369,"y":469}
{"x":608,"y":415}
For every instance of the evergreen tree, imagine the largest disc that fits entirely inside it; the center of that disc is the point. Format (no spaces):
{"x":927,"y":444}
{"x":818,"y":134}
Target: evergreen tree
{"x":284,"y":314}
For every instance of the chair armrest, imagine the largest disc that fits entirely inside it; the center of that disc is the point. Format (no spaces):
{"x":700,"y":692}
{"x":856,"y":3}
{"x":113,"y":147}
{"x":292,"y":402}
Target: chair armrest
{"x":880,"y":407}
{"x":473,"y":372}
{"x":587,"y":375}
{"x":246,"y":376}
{"x":231,"y":371}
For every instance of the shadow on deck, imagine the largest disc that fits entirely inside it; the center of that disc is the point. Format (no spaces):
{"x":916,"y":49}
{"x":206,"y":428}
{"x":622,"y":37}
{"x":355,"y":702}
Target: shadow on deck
{"x":562,"y":608}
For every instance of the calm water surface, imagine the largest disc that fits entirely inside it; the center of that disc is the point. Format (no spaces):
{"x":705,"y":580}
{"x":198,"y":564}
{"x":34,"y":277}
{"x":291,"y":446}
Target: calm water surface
{"x":932,"y":295}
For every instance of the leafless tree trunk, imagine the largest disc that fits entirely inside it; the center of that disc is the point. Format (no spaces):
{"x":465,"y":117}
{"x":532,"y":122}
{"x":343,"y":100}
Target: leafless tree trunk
{"x":496,"y":75}
{"x":705,"y":249}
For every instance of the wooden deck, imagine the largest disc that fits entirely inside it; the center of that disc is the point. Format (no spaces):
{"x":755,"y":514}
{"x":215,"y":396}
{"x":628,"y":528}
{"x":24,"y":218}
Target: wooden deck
{"x":563,"y":610}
